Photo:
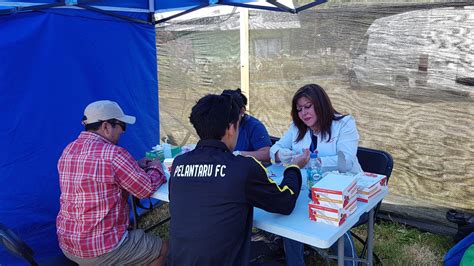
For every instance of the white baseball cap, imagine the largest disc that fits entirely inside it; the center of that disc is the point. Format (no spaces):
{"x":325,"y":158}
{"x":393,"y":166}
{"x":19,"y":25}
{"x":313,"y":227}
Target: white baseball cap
{"x":105,"y":110}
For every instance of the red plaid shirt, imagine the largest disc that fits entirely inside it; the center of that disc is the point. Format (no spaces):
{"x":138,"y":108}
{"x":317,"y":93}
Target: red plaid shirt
{"x":95,"y":177}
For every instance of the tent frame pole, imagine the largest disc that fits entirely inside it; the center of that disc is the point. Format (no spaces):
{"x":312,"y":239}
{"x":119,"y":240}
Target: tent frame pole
{"x":244,"y":54}
{"x":180,"y":14}
{"x":151,"y":9}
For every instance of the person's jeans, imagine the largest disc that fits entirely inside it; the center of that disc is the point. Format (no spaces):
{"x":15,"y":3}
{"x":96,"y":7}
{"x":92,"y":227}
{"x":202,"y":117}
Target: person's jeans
{"x":294,"y":251}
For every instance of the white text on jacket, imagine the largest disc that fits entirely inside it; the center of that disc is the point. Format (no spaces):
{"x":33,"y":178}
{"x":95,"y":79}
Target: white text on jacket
{"x":199,"y":170}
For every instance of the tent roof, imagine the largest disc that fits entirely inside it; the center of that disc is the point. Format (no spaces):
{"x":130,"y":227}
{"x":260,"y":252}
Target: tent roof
{"x":155,"y":7}
{"x":227,"y":18}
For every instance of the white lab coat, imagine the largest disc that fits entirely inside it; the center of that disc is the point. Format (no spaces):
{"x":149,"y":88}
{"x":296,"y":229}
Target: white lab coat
{"x":344,"y":138}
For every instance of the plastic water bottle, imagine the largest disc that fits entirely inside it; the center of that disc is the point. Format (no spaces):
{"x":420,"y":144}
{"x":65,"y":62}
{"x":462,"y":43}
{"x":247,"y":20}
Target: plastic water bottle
{"x":314,"y":173}
{"x":167,"y":149}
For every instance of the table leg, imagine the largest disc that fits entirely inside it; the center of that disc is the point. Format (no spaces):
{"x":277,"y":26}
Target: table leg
{"x":340,"y":251}
{"x":370,"y":239}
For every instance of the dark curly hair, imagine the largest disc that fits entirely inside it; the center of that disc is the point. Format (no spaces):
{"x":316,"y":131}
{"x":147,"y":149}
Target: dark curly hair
{"x":213,"y":114}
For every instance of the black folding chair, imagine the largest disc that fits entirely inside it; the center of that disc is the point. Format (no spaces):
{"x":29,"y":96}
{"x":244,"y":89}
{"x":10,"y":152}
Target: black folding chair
{"x":19,"y":248}
{"x":378,"y":162}
{"x":274,"y":139}
{"x":15,"y":245}
{"x":137,"y":204}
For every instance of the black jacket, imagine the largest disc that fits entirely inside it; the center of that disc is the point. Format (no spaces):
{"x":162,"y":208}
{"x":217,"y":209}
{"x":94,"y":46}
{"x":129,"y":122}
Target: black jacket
{"x":212,"y":195}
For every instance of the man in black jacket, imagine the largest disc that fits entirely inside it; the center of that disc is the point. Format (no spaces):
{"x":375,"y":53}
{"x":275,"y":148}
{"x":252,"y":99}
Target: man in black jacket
{"x":213,"y":192}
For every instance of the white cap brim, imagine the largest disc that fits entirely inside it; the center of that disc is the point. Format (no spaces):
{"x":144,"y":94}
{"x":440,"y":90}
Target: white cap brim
{"x":127,"y":119}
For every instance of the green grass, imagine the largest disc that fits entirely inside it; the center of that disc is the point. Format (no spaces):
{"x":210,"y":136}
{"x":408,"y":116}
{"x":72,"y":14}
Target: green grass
{"x":155,"y":216}
{"x":395,"y":244}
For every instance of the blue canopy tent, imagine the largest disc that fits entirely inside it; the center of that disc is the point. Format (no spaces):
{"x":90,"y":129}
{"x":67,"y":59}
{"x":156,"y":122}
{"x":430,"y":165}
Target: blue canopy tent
{"x":55,"y":58}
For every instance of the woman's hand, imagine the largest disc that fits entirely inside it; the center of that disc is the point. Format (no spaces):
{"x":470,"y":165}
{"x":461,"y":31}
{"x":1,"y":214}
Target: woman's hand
{"x":302,"y":159}
{"x":285,"y":155}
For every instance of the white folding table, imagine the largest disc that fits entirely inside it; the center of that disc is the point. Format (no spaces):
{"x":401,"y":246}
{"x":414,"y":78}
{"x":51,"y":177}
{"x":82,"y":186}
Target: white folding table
{"x":299,"y":227}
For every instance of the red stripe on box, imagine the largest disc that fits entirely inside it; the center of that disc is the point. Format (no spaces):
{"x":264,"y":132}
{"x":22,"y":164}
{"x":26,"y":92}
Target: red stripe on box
{"x":362,"y":200}
{"x":371,"y":196}
{"x":370,"y":174}
{"x":351,"y":187}
{"x":351,"y":204}
{"x":319,"y":207}
{"x":330,"y":191}
{"x":365,"y":192}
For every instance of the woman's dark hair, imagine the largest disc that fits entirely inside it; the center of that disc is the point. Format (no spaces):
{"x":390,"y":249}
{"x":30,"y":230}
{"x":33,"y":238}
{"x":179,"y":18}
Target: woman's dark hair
{"x":238,"y":97}
{"x":212,"y":115}
{"x":325,"y":113}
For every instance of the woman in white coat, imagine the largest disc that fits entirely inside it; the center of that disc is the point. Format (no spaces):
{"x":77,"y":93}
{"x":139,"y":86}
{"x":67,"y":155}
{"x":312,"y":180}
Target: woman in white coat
{"x":317,"y":126}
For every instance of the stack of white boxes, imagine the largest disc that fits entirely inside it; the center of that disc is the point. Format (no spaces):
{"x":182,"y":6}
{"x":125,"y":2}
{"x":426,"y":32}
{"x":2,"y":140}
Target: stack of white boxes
{"x":370,"y":185}
{"x":334,"y":198}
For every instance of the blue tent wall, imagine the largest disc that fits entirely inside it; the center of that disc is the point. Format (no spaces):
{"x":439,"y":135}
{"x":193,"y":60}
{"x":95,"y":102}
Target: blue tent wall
{"x":52,"y":64}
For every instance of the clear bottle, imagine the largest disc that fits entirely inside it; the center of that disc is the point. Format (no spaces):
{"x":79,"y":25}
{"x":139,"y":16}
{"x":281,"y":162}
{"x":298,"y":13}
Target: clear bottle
{"x":166,"y":148}
{"x":314,"y":173}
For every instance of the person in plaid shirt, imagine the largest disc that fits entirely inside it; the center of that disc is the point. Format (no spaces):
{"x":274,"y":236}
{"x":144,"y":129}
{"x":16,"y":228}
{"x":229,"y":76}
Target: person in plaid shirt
{"x":95,"y":177}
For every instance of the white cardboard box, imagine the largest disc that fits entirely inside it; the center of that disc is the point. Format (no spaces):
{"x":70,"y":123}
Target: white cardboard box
{"x":366,"y":198}
{"x":334,"y":190}
{"x":367,"y":181}
{"x":333,"y":216}
{"x":369,"y":185}
{"x":326,"y":215}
